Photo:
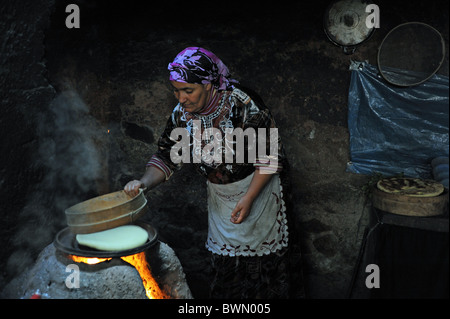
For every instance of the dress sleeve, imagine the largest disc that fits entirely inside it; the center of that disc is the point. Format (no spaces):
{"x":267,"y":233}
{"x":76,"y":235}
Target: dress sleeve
{"x":270,"y":152}
{"x":161,"y":159}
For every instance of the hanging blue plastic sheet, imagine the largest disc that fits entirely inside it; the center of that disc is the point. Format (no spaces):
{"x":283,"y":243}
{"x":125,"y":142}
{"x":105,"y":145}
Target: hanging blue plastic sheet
{"x":396,"y":130}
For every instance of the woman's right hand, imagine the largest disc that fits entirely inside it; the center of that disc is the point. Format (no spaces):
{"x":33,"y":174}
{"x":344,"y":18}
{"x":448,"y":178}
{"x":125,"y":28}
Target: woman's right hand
{"x":132,"y":188}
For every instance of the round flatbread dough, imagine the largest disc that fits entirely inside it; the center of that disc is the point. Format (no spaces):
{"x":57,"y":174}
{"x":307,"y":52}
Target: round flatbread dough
{"x":115,"y":239}
{"x":415,"y":187}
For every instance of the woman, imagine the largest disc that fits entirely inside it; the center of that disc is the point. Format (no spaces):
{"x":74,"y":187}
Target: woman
{"x":247,"y":222}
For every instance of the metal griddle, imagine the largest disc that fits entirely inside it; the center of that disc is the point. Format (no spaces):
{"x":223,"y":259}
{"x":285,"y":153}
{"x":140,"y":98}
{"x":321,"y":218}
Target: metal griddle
{"x":66,"y":242}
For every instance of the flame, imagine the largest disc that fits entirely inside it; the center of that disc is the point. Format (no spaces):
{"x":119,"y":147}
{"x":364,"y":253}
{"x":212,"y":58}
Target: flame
{"x":89,"y":261}
{"x":151,"y":286}
{"x":139,"y":262}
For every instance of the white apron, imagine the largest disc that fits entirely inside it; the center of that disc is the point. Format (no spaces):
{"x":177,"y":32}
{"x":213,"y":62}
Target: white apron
{"x":264,"y":230}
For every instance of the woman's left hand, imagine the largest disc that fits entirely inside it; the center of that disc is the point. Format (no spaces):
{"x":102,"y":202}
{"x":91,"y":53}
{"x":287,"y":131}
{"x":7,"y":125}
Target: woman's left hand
{"x":241,"y":210}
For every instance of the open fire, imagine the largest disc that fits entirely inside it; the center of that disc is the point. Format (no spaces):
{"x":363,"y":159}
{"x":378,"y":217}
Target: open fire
{"x":138,"y":261}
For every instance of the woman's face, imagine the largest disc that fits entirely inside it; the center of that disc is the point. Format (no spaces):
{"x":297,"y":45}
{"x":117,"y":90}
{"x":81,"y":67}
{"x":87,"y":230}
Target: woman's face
{"x":193,"y":97}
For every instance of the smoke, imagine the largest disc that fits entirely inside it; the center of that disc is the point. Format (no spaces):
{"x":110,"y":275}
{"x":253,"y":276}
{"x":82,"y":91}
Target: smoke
{"x":72,"y":155}
{"x":71,"y":146}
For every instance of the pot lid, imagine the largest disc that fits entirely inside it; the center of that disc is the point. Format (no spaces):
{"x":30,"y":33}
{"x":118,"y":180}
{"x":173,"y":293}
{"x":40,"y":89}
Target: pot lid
{"x":66,"y":242}
{"x":345,"y":22}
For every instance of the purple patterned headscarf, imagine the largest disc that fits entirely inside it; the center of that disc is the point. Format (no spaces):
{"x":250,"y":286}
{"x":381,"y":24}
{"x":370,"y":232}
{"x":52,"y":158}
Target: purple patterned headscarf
{"x":200,"y":66}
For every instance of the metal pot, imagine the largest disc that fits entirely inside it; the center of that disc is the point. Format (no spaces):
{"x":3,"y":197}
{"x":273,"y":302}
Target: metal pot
{"x":345,"y":24}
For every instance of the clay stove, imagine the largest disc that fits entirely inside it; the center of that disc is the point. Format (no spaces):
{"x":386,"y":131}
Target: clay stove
{"x":66,"y":242}
{"x":150,"y":271}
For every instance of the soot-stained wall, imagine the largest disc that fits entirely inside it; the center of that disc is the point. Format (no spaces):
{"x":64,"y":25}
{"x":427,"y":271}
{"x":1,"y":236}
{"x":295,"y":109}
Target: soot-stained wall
{"x":84,"y":107}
